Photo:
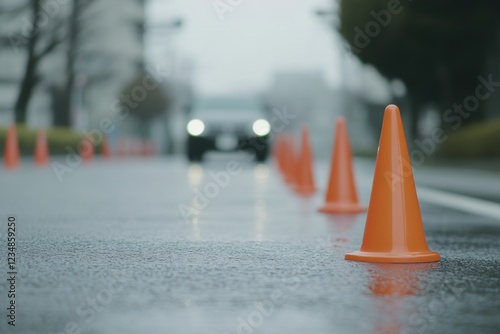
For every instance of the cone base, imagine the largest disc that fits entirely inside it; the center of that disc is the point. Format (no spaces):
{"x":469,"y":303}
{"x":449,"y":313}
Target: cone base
{"x":11,"y":165}
{"x":41,"y":163}
{"x":342,"y":208}
{"x":390,"y":257}
{"x":305,"y":190}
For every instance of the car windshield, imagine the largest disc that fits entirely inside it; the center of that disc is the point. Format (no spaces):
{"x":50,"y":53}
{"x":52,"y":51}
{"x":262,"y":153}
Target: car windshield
{"x":228,"y":104}
{"x":228,"y":109}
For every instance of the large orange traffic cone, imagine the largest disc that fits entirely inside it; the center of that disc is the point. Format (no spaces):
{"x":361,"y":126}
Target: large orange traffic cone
{"x":393,"y":230}
{"x":106,"y":149}
{"x":87,"y":150}
{"x":341,"y":196}
{"x":304,"y":179}
{"x":41,"y":149}
{"x":11,"y":158}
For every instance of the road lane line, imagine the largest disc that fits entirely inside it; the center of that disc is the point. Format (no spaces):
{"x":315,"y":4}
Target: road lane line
{"x":459,"y":202}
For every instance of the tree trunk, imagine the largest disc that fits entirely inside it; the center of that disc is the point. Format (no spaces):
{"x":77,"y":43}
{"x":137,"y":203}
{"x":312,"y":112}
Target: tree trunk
{"x":63,"y":116}
{"x":60,"y":114}
{"x":26,"y":91}
{"x":28,"y":82}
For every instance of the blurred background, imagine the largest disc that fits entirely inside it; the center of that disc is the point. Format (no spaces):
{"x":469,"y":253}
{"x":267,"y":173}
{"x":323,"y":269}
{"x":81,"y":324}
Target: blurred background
{"x":132,"y":69}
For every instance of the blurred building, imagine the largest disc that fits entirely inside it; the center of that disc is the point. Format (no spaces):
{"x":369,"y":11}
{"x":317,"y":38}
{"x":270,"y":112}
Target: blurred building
{"x":309,"y":96}
{"x":163,"y":25}
{"x":367,"y":102}
{"x":112,"y":57}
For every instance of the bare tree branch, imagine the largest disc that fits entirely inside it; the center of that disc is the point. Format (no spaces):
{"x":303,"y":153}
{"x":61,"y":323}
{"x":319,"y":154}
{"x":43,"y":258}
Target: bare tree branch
{"x":51,"y":45}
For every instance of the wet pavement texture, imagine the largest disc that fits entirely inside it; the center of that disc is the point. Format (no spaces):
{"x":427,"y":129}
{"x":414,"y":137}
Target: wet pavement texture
{"x":108,"y":251}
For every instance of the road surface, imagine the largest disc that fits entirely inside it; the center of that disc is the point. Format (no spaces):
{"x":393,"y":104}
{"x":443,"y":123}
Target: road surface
{"x":161,"y":246}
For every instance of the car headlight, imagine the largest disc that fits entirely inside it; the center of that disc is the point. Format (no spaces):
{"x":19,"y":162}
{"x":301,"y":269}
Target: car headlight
{"x":261,"y":127}
{"x":195,"y":127}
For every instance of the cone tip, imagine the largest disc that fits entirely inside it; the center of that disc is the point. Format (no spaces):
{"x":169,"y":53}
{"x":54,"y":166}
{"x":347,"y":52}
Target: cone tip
{"x":305,"y":132}
{"x":392,"y":108}
{"x":341,"y":123}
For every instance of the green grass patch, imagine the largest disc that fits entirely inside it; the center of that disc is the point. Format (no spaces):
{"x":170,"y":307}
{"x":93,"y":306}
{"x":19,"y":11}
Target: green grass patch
{"x":58,"y":139}
{"x":480,"y":140}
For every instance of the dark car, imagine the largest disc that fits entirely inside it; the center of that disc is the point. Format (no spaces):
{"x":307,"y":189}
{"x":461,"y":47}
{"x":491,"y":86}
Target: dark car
{"x":227,"y":125}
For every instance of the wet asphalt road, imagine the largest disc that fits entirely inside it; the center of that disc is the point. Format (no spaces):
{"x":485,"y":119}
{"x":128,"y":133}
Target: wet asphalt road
{"x":108,"y":251}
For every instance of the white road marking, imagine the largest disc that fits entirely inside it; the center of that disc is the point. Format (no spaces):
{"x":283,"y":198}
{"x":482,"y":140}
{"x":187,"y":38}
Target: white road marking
{"x":459,"y":202}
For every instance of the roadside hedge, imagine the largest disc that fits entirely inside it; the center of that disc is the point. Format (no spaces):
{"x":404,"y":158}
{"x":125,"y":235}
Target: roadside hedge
{"x":480,"y":140}
{"x":58,"y":139}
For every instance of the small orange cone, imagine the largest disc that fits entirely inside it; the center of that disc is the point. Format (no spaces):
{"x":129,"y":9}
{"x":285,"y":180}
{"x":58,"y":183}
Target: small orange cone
{"x":152,"y":149}
{"x":87,"y":150}
{"x":304,"y":179}
{"x":136,"y":147}
{"x":280,"y":146}
{"x":122,"y":147}
{"x":341,"y":196}
{"x":41,"y":149}
{"x":147,"y":148}
{"x":106,"y":149}
{"x":287,"y":158}
{"x":393,"y":231}
{"x":285,"y":154}
{"x":11,"y":158}
{"x":291,"y":162}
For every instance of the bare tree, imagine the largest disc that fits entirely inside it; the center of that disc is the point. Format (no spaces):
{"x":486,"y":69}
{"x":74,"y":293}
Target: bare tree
{"x":41,"y":33}
{"x":62,"y":113}
{"x":46,"y":26}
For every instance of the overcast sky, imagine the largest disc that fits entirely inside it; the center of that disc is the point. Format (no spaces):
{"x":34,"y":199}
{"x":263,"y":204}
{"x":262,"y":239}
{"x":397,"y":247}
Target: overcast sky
{"x":256,"y":39}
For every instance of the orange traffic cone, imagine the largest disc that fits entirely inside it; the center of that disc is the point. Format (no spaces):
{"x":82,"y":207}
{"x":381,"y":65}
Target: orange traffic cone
{"x":280,"y":147}
{"x":393,"y":230}
{"x":135,"y":147}
{"x":291,"y":163}
{"x":106,"y":149}
{"x":149,"y":148}
{"x":146,"y":148}
{"x":41,"y":149}
{"x":122,"y":147}
{"x":287,"y":158}
{"x":152,"y":149}
{"x":11,"y":151}
{"x":341,"y":196}
{"x":87,"y":150}
{"x":304,"y":179}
